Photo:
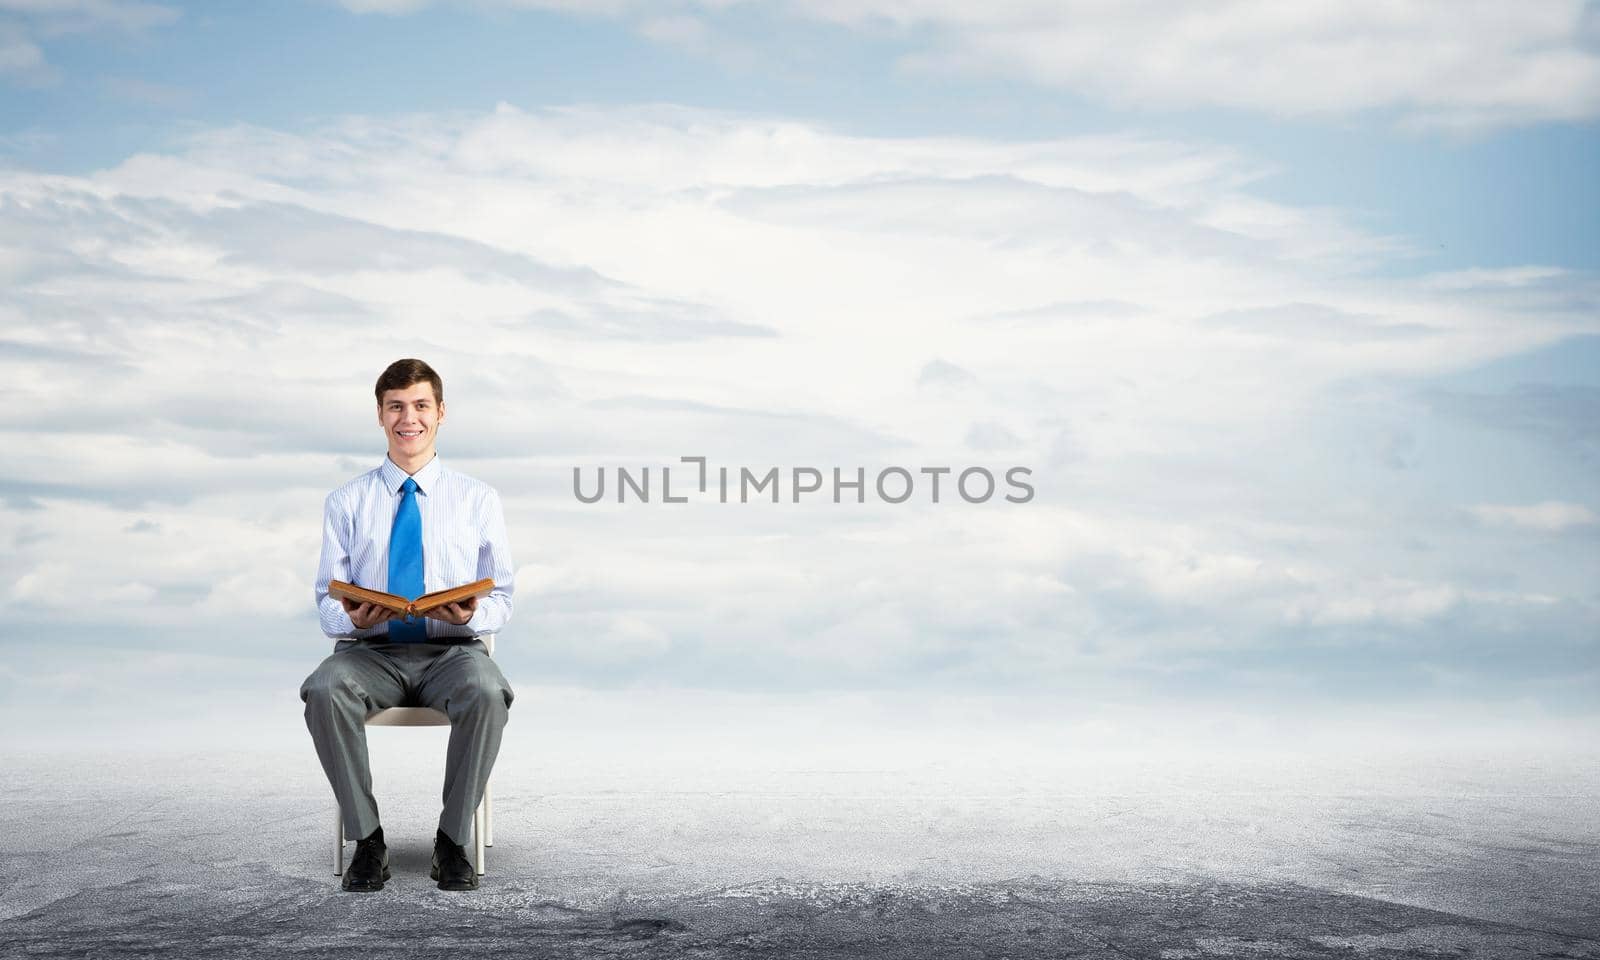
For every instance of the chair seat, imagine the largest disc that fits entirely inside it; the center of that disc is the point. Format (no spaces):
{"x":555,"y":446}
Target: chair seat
{"x":409,"y":717}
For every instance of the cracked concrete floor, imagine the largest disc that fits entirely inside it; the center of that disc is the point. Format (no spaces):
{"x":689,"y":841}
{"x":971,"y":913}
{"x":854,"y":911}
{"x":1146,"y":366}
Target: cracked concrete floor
{"x":228,"y":854}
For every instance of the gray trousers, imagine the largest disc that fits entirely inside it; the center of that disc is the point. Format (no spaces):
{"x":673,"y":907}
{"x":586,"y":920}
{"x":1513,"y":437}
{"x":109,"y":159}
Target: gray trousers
{"x":362,"y":676}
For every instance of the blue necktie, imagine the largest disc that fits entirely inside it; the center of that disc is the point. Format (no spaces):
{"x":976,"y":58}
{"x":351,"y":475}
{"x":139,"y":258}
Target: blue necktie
{"x":405,"y":564}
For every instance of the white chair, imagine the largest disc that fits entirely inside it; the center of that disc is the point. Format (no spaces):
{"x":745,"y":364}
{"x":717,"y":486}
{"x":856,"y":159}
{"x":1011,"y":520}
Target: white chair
{"x":482,"y":819}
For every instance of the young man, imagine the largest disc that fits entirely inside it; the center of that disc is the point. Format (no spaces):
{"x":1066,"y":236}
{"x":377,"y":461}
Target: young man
{"x":409,"y":527}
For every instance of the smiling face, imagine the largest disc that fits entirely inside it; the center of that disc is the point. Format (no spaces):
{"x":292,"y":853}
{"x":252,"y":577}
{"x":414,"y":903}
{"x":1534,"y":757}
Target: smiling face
{"x":410,"y":419}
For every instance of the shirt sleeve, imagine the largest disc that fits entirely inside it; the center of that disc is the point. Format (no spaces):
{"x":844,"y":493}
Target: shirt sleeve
{"x":494,"y":560}
{"x":334,"y":564}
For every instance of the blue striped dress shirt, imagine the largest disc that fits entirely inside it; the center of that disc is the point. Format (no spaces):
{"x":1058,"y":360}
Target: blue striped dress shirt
{"x":463,"y":539}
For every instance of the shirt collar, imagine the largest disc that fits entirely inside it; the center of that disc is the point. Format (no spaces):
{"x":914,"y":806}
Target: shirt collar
{"x":394,"y":477}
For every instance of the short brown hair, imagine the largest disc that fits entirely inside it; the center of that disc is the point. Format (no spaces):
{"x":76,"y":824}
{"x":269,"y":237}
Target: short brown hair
{"x":404,"y":373}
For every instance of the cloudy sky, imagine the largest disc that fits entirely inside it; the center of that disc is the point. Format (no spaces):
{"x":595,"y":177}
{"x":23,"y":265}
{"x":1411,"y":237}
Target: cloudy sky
{"x":1292,"y":311}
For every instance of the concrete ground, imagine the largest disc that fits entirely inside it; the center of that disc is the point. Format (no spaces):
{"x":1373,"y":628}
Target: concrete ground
{"x":227,"y":853}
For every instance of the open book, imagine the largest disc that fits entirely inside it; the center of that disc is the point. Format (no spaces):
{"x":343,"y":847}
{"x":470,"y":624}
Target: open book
{"x":410,"y":608}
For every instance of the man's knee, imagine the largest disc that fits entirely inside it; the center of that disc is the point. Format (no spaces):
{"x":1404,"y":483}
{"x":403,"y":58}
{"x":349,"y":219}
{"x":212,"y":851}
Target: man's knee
{"x":483,"y":692}
{"x":331,"y":683}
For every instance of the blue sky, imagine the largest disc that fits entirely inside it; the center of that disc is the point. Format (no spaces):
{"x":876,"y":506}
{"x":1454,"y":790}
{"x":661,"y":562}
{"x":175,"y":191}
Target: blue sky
{"x":1293,"y":316}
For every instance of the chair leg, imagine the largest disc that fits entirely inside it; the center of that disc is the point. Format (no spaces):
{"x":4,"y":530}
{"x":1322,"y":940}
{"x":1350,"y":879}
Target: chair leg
{"x":338,"y":840}
{"x":488,"y":814}
{"x":477,"y":839}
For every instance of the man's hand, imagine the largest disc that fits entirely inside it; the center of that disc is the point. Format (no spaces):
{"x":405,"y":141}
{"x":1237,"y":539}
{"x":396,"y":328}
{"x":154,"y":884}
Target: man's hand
{"x":456,"y":613}
{"x":365,"y":615}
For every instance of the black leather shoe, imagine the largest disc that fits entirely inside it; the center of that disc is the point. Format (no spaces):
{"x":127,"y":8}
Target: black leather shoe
{"x":450,"y":865}
{"x":369,"y":867}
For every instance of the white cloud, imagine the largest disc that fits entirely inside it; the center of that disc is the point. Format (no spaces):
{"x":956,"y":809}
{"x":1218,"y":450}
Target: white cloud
{"x":687,"y":33}
{"x":24,"y":22}
{"x":590,"y":7}
{"x":393,"y":7}
{"x":1459,"y":66}
{"x":1375,"y":601}
{"x":1551,"y":516}
{"x":190,"y":338}
{"x":75,"y":15}
{"x":21,"y":59}
{"x":1487,"y":279}
{"x":1456,"y":65}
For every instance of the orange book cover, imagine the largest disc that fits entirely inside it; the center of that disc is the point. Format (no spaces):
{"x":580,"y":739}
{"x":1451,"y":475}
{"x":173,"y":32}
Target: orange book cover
{"x":410,"y":608}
